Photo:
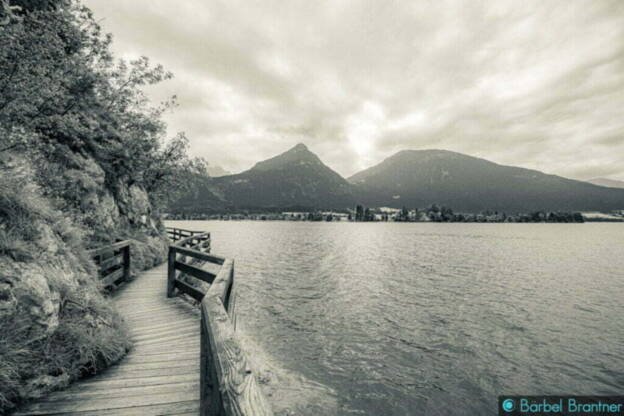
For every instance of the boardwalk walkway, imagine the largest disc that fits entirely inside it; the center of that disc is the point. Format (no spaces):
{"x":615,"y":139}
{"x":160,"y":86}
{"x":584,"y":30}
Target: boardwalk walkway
{"x":160,"y":376}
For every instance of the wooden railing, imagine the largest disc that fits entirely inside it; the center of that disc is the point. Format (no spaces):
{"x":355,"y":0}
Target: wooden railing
{"x":227,"y":382}
{"x":178,"y":233}
{"x":113,"y":262}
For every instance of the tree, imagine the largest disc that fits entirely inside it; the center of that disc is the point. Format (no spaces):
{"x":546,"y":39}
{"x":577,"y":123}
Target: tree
{"x":63,"y":98}
{"x":359,"y":213}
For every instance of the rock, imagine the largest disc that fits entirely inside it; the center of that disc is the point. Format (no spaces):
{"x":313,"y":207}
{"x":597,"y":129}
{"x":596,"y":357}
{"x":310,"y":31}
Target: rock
{"x":8,"y":301}
{"x":29,"y":299}
{"x":133,"y":204}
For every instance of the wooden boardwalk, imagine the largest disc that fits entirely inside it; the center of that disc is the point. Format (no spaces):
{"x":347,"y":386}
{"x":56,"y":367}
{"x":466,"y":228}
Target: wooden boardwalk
{"x":160,"y":376}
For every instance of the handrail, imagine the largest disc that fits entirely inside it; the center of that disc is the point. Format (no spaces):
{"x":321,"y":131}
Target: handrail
{"x":228,"y":385}
{"x":178,"y":233}
{"x":113,"y":263}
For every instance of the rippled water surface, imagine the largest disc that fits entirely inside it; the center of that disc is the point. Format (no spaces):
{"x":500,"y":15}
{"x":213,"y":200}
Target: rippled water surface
{"x":431,"y":319}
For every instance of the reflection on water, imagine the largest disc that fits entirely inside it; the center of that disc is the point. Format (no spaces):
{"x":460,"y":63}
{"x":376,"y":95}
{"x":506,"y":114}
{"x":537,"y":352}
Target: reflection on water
{"x":431,"y":319}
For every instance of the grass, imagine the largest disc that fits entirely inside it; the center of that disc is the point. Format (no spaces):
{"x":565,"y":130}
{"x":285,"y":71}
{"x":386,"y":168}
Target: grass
{"x":89,"y":336}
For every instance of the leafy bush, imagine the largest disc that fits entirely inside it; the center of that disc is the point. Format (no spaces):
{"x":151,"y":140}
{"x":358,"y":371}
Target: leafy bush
{"x":83,"y":161}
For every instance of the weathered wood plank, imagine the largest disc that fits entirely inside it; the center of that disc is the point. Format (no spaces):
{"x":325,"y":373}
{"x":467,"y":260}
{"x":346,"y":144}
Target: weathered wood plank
{"x":115,"y":260}
{"x":107,"y":249}
{"x":121,"y":383}
{"x":221,"y":285}
{"x":169,"y":409}
{"x":130,"y":391}
{"x":165,"y":340}
{"x":112,"y":277}
{"x":229,"y":385}
{"x":196,"y":272}
{"x":122,"y":372}
{"x":193,"y":239}
{"x":45,"y":408}
{"x":200,"y":255}
{"x":160,"y":357}
{"x":189,"y":290}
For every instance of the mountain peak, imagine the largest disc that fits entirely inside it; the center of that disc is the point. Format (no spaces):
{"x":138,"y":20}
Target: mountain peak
{"x":297,"y":155}
{"x":300,"y":147}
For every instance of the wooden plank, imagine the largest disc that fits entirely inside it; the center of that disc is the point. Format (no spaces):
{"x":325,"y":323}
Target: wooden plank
{"x":184,"y":230}
{"x":44,"y":408}
{"x":196,"y":272}
{"x":199,"y":255}
{"x":236,"y":391}
{"x":187,"y":329}
{"x":187,"y":346}
{"x":160,"y":357}
{"x":220,"y":287}
{"x":73,"y":394}
{"x":145,"y":334}
{"x":178,"y":362}
{"x":107,"y":249}
{"x":189,"y":290}
{"x":189,"y":240}
{"x":177,"y":408}
{"x":104,"y":383}
{"x":122,"y":372}
{"x":115,"y":260}
{"x":112,"y":277}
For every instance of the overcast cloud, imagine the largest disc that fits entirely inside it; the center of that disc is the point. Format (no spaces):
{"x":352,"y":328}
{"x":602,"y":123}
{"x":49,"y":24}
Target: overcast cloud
{"x":538,"y":84}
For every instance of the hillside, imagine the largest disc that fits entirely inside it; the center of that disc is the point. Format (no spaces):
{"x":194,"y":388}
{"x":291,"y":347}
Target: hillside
{"x":417,"y":178}
{"x":82,"y":164}
{"x":295,"y":179}
{"x":609,"y":183}
{"x":298,"y":179}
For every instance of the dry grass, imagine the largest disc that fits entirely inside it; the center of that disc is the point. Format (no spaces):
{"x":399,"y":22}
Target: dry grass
{"x":90,"y":335}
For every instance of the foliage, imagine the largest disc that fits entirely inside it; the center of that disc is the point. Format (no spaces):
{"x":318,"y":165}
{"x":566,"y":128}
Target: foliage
{"x":83,"y":156}
{"x":61,"y":92}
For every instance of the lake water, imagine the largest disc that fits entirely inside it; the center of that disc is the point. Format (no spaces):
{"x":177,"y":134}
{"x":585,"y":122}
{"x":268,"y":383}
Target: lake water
{"x":426,"y":319}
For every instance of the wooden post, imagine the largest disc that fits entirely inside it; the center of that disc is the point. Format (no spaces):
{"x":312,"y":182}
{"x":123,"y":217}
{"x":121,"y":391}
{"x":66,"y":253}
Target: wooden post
{"x":171,"y":271}
{"x":126,"y":262}
{"x":231,"y":309}
{"x":205,"y":374}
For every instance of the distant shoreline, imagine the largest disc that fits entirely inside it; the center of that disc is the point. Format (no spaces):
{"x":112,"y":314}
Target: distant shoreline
{"x":272,"y":219}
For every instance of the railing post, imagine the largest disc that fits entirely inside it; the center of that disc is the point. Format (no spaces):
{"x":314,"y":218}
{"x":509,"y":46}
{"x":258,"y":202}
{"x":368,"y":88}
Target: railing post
{"x":231,"y":307}
{"x":204,"y":372}
{"x":171,"y":271}
{"x":210,"y":402}
{"x":126,"y":262}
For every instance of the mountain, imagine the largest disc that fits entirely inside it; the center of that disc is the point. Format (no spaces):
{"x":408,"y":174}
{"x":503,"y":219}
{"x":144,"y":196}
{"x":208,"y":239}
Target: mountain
{"x":610,"y":183}
{"x":418,"y":178}
{"x":298,"y":180}
{"x":295,"y":179}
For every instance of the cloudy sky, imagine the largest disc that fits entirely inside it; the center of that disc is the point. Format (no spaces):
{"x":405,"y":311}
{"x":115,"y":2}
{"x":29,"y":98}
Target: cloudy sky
{"x":538,"y":84}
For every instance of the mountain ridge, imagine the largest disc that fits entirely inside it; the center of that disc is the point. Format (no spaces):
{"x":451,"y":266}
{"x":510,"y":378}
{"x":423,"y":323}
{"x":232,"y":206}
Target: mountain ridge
{"x":298,"y":179}
{"x":609,"y":183}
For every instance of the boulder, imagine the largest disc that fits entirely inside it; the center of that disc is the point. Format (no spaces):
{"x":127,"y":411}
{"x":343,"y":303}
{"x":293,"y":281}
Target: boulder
{"x":26,"y":296}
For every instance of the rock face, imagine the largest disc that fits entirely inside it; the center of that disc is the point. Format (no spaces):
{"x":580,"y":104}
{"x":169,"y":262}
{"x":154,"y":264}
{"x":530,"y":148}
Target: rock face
{"x":61,"y":326}
{"x":27,"y":296}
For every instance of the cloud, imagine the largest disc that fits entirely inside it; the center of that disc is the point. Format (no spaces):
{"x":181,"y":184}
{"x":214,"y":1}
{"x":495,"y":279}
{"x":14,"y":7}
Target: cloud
{"x":535,"y":84}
